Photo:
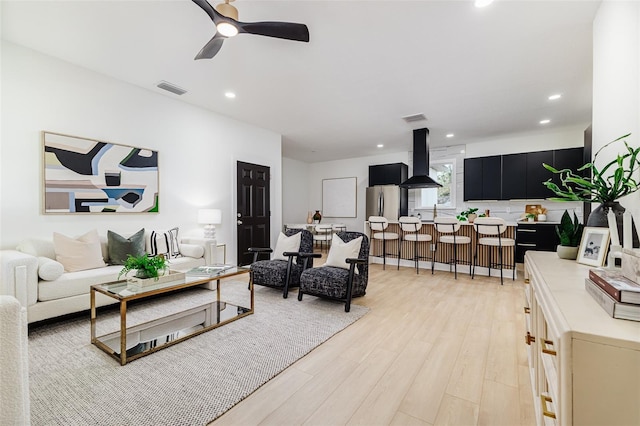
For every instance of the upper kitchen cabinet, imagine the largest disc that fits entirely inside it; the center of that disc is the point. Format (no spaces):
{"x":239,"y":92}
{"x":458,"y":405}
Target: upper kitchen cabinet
{"x":570,"y":158}
{"x":536,"y":174}
{"x":482,"y":178}
{"x":388,"y":174}
{"x":514,"y":169}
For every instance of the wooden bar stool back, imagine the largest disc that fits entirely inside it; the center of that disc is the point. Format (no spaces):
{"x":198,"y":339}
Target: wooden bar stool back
{"x":493,"y":228}
{"x":378,"y":226}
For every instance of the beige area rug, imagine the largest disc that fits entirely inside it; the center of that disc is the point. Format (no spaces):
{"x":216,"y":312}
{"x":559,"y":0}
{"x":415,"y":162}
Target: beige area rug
{"x":190,"y":383}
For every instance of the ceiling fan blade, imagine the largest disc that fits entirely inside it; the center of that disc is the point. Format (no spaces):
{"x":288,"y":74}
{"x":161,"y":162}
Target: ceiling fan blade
{"x":285,"y":30}
{"x":209,"y":10}
{"x":211,"y":48}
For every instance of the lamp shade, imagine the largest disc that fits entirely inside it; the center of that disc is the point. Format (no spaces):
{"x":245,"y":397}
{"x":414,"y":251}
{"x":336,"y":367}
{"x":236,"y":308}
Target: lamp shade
{"x":210,"y":216}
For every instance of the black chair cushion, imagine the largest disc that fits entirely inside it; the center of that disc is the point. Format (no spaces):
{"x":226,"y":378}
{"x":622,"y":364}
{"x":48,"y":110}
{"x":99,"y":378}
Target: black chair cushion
{"x":331,"y":282}
{"x":273,"y":273}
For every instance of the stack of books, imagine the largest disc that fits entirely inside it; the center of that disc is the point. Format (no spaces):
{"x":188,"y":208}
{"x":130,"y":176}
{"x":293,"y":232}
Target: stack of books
{"x":618,"y":295}
{"x":209,"y":271}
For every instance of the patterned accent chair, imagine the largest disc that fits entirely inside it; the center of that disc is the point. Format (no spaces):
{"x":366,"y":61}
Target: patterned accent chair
{"x":337,"y":283}
{"x":283,"y":274}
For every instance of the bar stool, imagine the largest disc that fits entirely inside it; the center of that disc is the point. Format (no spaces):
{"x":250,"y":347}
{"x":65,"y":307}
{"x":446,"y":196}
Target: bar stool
{"x":339,"y":227}
{"x":378,"y":226}
{"x":494,"y":227}
{"x":323,"y":235}
{"x":410,"y":227}
{"x":449,"y":226}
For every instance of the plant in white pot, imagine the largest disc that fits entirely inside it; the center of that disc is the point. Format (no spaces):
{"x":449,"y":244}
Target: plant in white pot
{"x":570,"y":232}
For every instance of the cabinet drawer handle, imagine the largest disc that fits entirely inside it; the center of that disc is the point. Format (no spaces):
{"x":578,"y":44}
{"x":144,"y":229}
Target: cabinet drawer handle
{"x":527,"y":245}
{"x":545,"y":350}
{"x":528,"y":339}
{"x":545,"y":410}
{"x":526,"y":230}
{"x":527,"y":310}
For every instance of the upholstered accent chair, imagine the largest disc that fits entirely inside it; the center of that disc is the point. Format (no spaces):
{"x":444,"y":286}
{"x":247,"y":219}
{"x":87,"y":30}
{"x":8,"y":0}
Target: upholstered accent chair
{"x":342,"y":282}
{"x":283,"y":271}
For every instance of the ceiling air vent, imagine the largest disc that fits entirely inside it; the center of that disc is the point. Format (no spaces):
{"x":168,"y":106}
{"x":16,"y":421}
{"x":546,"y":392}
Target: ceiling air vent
{"x":414,"y":118}
{"x":165,"y":85}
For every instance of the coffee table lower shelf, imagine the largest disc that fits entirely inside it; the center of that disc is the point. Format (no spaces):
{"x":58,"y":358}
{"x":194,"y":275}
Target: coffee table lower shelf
{"x":160,"y":333}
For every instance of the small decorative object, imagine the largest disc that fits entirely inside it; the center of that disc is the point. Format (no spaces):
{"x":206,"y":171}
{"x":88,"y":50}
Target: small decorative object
{"x":614,"y":181}
{"x":144,"y":265}
{"x":317,"y":217}
{"x":309,"y":218}
{"x":531,"y":217}
{"x":486,"y":213}
{"x":542,"y":217}
{"x":210,"y":218}
{"x":570,"y":232}
{"x":593,"y":247}
{"x":467,"y":215}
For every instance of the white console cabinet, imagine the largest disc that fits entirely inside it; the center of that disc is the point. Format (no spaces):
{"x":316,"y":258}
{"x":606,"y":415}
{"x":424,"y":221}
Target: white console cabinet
{"x":584,"y":365}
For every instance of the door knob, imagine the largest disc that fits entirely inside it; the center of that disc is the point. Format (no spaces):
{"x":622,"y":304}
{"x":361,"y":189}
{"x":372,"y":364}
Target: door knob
{"x":239,"y":222}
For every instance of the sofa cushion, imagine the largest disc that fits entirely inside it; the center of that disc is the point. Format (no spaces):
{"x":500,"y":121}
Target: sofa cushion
{"x":37,"y":247}
{"x":164,"y":242}
{"x":76,"y":283}
{"x":49,"y":269}
{"x":120,"y":247}
{"x":192,"y":250}
{"x":79,"y":254}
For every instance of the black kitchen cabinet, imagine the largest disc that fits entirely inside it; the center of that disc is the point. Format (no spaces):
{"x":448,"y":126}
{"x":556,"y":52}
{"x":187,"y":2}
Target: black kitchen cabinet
{"x":388,"y":174}
{"x":570,"y":158}
{"x":536,"y":174}
{"x":535,"y":236}
{"x":514,"y":178}
{"x":482,"y":178}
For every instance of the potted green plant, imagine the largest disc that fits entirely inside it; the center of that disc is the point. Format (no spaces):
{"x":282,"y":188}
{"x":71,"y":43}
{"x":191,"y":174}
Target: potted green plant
{"x":570,"y":233}
{"x":605,"y":186}
{"x":530,"y":217}
{"x":144,"y":265}
{"x":467,"y":215}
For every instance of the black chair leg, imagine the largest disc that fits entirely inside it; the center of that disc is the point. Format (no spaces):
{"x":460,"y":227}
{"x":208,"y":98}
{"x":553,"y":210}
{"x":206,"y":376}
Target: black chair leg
{"x":433,"y":255}
{"x":299,"y":295}
{"x":415,"y":253}
{"x":500,"y":257}
{"x":455,"y":261}
{"x":399,"y":250}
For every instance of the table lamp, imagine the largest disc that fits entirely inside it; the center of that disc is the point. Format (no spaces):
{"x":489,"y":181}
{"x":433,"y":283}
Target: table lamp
{"x":210,"y":218}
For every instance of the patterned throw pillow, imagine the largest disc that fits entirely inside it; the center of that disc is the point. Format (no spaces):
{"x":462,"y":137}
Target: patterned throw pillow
{"x":164,"y":243}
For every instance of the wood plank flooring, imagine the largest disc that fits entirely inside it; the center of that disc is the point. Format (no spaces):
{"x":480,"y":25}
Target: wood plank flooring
{"x":432,"y":351}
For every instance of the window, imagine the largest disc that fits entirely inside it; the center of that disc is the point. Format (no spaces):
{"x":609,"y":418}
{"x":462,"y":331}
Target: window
{"x":443,"y":172}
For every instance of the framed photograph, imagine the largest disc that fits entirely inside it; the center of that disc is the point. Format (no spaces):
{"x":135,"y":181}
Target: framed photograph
{"x":90,"y":176}
{"x":593,"y":246}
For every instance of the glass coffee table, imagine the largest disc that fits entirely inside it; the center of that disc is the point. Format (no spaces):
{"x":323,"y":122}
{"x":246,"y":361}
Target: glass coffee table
{"x":191,"y":321}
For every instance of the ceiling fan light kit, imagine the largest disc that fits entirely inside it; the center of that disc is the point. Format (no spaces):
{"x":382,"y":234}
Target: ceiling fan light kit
{"x":225,"y":18}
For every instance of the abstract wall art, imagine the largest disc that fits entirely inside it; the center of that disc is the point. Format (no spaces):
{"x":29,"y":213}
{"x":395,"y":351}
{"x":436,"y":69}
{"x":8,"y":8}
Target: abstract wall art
{"x":90,"y":176}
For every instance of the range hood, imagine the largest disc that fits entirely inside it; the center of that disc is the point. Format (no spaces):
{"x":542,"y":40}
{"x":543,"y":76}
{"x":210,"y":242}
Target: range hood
{"x":420,"y":178}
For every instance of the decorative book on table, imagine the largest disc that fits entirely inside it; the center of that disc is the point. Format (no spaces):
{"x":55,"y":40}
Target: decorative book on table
{"x":614,"y":308}
{"x":209,"y":271}
{"x":619,"y":287}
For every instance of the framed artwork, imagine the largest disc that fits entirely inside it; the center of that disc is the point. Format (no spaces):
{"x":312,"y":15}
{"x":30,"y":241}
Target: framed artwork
{"x":90,"y":176}
{"x":593,"y":246}
{"x":339,"y":197}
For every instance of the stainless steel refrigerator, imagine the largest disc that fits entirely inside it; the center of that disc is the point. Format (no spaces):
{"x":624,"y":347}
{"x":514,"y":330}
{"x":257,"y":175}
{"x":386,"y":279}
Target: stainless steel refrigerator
{"x":389,"y":201}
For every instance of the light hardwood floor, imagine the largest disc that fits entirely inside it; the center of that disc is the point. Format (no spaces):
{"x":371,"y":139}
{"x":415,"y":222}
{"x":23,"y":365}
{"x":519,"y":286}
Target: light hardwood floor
{"x":432,"y":351}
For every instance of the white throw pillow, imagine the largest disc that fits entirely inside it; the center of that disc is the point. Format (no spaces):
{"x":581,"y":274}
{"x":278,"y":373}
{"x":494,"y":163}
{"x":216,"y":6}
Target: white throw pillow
{"x":341,"y":251}
{"x":49,"y":269}
{"x":192,"y":250}
{"x":79,"y":254}
{"x":285,"y":243}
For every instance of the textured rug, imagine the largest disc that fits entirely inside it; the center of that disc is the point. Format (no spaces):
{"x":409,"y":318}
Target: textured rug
{"x":190,"y":383}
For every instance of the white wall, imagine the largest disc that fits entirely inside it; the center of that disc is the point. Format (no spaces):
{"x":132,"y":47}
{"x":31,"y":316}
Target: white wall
{"x":616,"y":85}
{"x":295,"y":191}
{"x":198,"y":149}
{"x":352,"y":167}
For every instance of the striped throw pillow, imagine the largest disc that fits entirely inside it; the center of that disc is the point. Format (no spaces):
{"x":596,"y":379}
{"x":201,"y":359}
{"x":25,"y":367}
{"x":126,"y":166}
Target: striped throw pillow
{"x":165,"y":243}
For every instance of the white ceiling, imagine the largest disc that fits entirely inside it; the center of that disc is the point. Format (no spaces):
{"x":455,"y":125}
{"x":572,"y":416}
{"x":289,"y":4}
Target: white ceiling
{"x":477,"y":73}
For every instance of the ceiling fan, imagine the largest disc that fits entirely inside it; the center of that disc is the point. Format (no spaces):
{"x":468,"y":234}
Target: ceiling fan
{"x":225,"y":18}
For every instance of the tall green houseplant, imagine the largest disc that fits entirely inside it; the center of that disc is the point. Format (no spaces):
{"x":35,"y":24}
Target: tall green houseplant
{"x":605,"y":186}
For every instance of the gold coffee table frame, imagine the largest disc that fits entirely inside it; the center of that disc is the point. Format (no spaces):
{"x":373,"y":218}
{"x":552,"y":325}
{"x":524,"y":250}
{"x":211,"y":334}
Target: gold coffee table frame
{"x":145,"y":292}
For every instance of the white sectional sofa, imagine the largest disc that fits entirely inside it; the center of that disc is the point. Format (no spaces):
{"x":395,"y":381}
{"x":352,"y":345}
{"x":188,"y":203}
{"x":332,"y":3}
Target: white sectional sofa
{"x":22,"y":271}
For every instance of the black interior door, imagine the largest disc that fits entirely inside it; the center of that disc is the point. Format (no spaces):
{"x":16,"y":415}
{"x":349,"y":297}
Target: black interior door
{"x":253,"y":211}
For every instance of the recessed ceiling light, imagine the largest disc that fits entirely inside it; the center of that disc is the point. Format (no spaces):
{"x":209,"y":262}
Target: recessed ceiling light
{"x":554,"y":97}
{"x":462,"y":151}
{"x":450,"y":135}
{"x":230,"y":95}
{"x":483,"y":3}
{"x":545,"y":121}
{"x":380,"y":145}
